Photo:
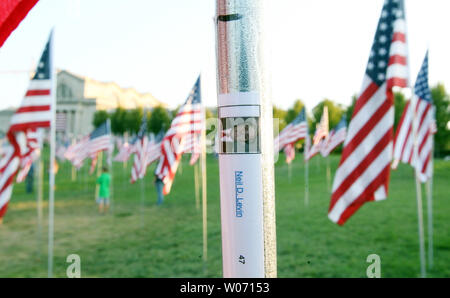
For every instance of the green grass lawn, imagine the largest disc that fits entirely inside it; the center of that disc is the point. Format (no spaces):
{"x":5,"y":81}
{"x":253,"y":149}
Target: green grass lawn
{"x":139,"y":239}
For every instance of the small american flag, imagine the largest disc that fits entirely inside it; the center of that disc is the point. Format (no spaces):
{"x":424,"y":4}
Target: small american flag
{"x":363,"y":172}
{"x":125,"y":151}
{"x":188,"y":121}
{"x":420,"y":110}
{"x":99,"y":140}
{"x":294,"y":131}
{"x":61,"y":121}
{"x":322,"y":129}
{"x":335,"y":137}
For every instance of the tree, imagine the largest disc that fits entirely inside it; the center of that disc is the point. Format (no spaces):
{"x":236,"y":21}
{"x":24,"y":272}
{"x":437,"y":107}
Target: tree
{"x":99,"y":118}
{"x":118,"y":125}
{"x":335,"y":112}
{"x":133,"y":120}
{"x":441,"y":100}
{"x":294,"y":111}
{"x":279,"y":114}
{"x":159,"y":120}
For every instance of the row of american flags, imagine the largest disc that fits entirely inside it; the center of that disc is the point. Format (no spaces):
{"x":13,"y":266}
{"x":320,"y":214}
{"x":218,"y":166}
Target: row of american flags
{"x":369,"y":146}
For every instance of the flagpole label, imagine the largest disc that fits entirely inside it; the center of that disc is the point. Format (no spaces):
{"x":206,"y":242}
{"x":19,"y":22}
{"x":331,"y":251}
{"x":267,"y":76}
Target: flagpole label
{"x":241,"y":185}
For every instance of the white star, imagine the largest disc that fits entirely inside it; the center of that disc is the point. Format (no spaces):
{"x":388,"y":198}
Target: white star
{"x":40,"y":75}
{"x":383,"y":39}
{"x":384,"y":14}
{"x":370,"y":65}
{"x":399,"y":14}
{"x":383,"y":26}
{"x":41,"y":64}
{"x":381,"y":64}
{"x":380,"y":76}
{"x":382,"y":51}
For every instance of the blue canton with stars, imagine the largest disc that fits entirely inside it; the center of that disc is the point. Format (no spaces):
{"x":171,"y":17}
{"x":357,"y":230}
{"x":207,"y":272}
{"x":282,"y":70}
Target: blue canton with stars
{"x":421,"y":88}
{"x":379,"y":54}
{"x":43,"y":68}
{"x":195,"y":95}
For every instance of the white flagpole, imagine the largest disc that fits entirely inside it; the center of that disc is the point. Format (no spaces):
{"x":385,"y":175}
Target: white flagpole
{"x":247,"y":192}
{"x":418,"y":193}
{"x":429,"y":187}
{"x":306,"y":182}
{"x":204,"y":195}
{"x":39,"y":200}
{"x":51,"y":201}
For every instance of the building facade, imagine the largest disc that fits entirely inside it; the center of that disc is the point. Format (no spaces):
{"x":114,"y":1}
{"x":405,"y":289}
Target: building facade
{"x":78,"y":98}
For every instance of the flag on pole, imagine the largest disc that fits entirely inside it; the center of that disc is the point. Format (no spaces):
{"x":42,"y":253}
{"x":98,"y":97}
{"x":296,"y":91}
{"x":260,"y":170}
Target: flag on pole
{"x":99,"y":140}
{"x":294,"y":131}
{"x":335,"y":137}
{"x":12,"y":12}
{"x":90,"y":146}
{"x":363,"y":172}
{"x":31,"y":154}
{"x":140,"y":154}
{"x":420,"y":109}
{"x":320,"y":135}
{"x":34,"y":112}
{"x":187,"y":122}
{"x":322,"y":129}
{"x":125,"y":151}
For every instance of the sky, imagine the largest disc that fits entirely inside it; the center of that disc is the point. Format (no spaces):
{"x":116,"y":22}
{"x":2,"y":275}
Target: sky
{"x":319,"y":48}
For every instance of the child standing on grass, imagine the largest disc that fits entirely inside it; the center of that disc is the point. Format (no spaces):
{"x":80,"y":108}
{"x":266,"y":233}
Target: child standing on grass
{"x":103,"y":194}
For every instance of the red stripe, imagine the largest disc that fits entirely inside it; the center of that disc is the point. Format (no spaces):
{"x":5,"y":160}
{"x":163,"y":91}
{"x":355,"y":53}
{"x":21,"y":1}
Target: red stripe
{"x":397,"y":59}
{"x":397,"y":82}
{"x":366,"y":196}
{"x":29,"y":125}
{"x":365,"y":97}
{"x":33,"y":109}
{"x":366,"y":129}
{"x":402,"y":119}
{"x":423,"y":141}
{"x":424,"y":168}
{"x":424,"y":114}
{"x":38,"y":92}
{"x":361,"y":168}
{"x":399,"y":36}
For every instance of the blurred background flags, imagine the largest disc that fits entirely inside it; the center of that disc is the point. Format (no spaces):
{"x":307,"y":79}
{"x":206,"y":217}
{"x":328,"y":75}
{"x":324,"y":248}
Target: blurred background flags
{"x":294,"y":131}
{"x":420,"y":109}
{"x":335,"y":137}
{"x":124,"y":152}
{"x":363,"y":172}
{"x":187,"y":122}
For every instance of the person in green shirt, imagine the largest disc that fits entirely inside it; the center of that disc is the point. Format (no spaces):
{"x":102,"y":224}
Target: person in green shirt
{"x":103,"y":194}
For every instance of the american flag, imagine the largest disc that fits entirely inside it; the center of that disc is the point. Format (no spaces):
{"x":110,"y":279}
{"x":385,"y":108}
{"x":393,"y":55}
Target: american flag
{"x":294,"y":131}
{"x":188,"y":121}
{"x":320,"y":135}
{"x":335,"y":137}
{"x":99,"y":140}
{"x":141,"y":145}
{"x":363,"y":172}
{"x":125,"y":151}
{"x":34,"y":112}
{"x":322,"y":129}
{"x":77,"y":152}
{"x":32,"y":153}
{"x":420,"y":110}
{"x":61,"y":121}
{"x":35,"y":109}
